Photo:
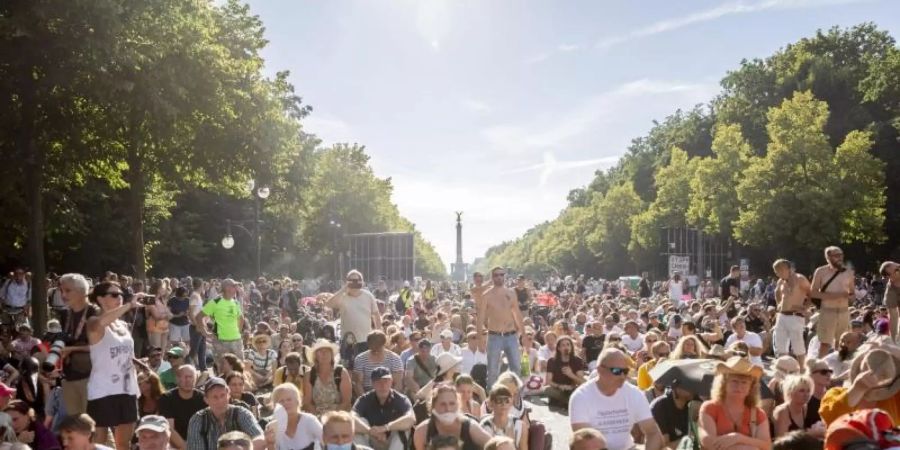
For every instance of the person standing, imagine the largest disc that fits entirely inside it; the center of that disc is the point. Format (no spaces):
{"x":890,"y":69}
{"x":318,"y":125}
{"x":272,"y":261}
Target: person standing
{"x":790,"y":298}
{"x":675,"y":287}
{"x":503,"y":328}
{"x":730,"y":286}
{"x":891,"y":273}
{"x":523,"y":295}
{"x":112,"y":388}
{"x":644,"y":290}
{"x":197,"y":347}
{"x":225,"y":311}
{"x":357,"y":309}
{"x":76,"y":354}
{"x":16,"y":291}
{"x":832,"y":287}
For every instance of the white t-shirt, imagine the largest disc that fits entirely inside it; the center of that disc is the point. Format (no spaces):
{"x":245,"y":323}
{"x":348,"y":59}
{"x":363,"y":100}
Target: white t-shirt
{"x":356,"y":313}
{"x":545,"y":353}
{"x":676,"y":291}
{"x":752,"y":340}
{"x":613,"y":416}
{"x":633,"y":345}
{"x":438,"y":348}
{"x":195,"y":304}
{"x":470,"y":358}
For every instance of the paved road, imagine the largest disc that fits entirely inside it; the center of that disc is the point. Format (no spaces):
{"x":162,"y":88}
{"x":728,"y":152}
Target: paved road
{"x":556,"y":422}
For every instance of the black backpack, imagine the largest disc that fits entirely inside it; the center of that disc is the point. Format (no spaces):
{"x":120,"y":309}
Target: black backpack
{"x":338,"y":371}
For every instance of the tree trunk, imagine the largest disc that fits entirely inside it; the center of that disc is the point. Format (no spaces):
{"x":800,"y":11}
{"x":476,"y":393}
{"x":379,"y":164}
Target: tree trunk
{"x":34,"y":158}
{"x":136,"y":187}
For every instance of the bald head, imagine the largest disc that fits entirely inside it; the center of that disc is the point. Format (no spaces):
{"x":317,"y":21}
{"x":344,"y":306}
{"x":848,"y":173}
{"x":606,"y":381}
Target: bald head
{"x":587,"y":439}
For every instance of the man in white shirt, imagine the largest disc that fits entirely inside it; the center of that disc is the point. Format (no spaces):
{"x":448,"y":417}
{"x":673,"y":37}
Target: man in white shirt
{"x":471,"y":355}
{"x":632,"y":339}
{"x":357,"y":309}
{"x":197,"y":353}
{"x":446,"y":345}
{"x":839,"y":361}
{"x":16,"y":291}
{"x":612,"y":405}
{"x":753,"y":341}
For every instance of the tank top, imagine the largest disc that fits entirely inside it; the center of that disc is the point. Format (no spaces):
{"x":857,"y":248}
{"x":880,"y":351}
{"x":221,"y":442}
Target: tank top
{"x":464,"y":434}
{"x":326,"y":395}
{"x":112,"y":368}
{"x":522,"y":297}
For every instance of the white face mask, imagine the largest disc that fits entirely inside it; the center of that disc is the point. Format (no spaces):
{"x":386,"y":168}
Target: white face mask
{"x":446,"y":418}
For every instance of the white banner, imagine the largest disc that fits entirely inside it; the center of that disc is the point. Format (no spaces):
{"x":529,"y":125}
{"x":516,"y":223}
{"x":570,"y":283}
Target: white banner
{"x":678,"y":263}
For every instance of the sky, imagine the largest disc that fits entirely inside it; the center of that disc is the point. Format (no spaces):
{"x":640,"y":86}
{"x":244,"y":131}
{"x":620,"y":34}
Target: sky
{"x":498,"y":108}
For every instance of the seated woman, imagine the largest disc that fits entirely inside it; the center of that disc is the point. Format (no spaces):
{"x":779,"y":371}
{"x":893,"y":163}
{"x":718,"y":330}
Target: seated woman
{"x":29,"y":430}
{"x":238,"y":394}
{"x":732,"y":419}
{"x":688,"y":347}
{"x":565,"y":372}
{"x":262,"y":361}
{"x":784,"y":366}
{"x":291,"y":429}
{"x":446,"y":420}
{"x":500,"y":422}
{"x":467,"y":404}
{"x":326,"y":387}
{"x":792,"y":414}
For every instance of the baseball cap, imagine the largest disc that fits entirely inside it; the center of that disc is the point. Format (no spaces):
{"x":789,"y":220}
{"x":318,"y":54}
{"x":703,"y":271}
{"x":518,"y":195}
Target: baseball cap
{"x":177,"y":352}
{"x":446,"y":334}
{"x":380,"y":373}
{"x":213,"y":382}
{"x":424,"y":343}
{"x":153,"y":422}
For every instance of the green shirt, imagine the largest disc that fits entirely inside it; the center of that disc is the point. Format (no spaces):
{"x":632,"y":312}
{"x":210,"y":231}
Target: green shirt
{"x":226,"y":313}
{"x":167,"y":377}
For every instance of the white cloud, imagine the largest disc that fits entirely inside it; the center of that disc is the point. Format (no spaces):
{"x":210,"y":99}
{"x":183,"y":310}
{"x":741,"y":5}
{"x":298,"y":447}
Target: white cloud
{"x":568,"y":47}
{"x":538,"y":58}
{"x":475,"y":105}
{"x":728,"y":9}
{"x":562,"y":127}
{"x":550,"y":166}
{"x":329,"y":129}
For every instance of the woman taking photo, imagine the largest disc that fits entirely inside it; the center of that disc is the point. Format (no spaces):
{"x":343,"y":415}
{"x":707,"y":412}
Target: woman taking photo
{"x":446,"y":420}
{"x":112,"y":388}
{"x":326,"y":387}
{"x":291,"y":428}
{"x":732,"y":419}
{"x":500,"y":422}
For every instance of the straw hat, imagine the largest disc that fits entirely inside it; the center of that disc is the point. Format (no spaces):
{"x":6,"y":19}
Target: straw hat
{"x":738,"y":365}
{"x":446,"y":361}
{"x":320,"y":344}
{"x":885,"y":366}
{"x":262,"y":337}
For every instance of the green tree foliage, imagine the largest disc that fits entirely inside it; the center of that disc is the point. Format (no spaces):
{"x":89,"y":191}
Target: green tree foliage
{"x":833,"y":143}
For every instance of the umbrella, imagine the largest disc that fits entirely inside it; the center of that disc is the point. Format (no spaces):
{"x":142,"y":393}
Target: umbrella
{"x":694,"y":375}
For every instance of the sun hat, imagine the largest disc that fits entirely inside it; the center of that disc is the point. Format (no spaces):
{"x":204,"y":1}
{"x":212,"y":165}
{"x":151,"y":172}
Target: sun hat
{"x":319,"y":345}
{"x":262,"y":337}
{"x":885,"y":366}
{"x":738,"y":365}
{"x":446,"y":361}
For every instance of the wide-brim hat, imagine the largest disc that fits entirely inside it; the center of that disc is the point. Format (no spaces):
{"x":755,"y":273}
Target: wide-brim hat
{"x":320,"y":344}
{"x":446,"y":361}
{"x":739,"y":365}
{"x":262,"y":337}
{"x":886,"y":367}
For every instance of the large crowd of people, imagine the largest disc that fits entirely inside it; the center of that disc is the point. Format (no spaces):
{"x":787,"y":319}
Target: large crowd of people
{"x":185,"y":363}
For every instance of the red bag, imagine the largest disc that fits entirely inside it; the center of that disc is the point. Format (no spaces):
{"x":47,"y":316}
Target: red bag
{"x":865,"y":424}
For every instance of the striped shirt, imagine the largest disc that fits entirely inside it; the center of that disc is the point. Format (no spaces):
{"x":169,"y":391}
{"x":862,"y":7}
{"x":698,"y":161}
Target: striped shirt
{"x":263,"y":362}
{"x":362,"y":365}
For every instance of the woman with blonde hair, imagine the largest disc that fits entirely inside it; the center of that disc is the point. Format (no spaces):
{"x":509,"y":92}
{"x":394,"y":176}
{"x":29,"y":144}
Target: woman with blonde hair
{"x":688,"y":347}
{"x":500,"y":443}
{"x":446,"y":420}
{"x":732,"y":418}
{"x":792,"y":415}
{"x":291,"y":429}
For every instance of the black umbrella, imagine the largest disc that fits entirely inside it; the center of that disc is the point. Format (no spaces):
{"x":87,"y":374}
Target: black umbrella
{"x":694,"y":375}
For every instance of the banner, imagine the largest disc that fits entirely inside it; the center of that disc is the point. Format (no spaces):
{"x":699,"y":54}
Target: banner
{"x":679,"y":263}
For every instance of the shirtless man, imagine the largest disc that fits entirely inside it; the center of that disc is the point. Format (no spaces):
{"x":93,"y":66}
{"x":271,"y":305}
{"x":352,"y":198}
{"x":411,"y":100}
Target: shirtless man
{"x":790,"y":296}
{"x":891,"y":273}
{"x":834,"y":315}
{"x":498,"y":310}
{"x":478,"y":288}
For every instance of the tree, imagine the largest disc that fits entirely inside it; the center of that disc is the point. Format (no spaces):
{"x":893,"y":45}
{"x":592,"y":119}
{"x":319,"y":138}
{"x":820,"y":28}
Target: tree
{"x":713,"y":197}
{"x":795,"y":197}
{"x":673,"y":187}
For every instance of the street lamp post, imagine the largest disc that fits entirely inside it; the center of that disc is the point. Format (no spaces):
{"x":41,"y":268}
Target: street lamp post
{"x":335,"y":229}
{"x":259,"y":194}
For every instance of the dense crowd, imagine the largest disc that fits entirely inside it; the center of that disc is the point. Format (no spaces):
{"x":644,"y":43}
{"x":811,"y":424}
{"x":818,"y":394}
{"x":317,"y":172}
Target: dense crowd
{"x":188,"y":363}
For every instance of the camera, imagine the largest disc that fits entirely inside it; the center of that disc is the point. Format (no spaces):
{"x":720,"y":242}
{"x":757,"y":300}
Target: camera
{"x":148,"y":300}
{"x":54,"y":355}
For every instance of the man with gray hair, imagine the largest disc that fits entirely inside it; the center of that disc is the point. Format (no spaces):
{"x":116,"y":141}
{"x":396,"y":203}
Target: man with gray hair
{"x":831,"y":289}
{"x":76,"y":353}
{"x":357,"y":309}
{"x":181,"y":403}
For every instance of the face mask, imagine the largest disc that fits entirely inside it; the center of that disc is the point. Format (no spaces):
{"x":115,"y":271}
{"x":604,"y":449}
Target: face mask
{"x":446,"y":418}
{"x":346,"y":446}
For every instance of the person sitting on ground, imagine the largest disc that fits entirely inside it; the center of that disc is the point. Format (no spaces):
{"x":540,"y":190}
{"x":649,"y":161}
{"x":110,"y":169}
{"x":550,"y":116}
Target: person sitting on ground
{"x":77,"y":431}
{"x":220,"y":417}
{"x":180,"y":404}
{"x":151,"y":392}
{"x":444,"y":443}
{"x":688,"y":347}
{"x":175,"y":356}
{"x":840,"y":361}
{"x":382,"y":414}
{"x":153,"y":433}
{"x":659,"y":352}
{"x":587,"y":439}
{"x":500,"y":443}
{"x":234,"y":440}
{"x":238,"y":393}
{"x":500,"y":423}
{"x":292,"y":371}
{"x":263,"y":361}
{"x":732,"y":419}
{"x":326,"y":387}
{"x":467,"y":404}
{"x":376,"y":356}
{"x":670,"y":411}
{"x":791,"y":415}
{"x":28,"y":429}
{"x":291,"y":429}
{"x":798,"y":440}
{"x":874,"y":383}
{"x":784,"y":366}
{"x":446,"y":420}
{"x":338,"y":432}
{"x":565,"y":372}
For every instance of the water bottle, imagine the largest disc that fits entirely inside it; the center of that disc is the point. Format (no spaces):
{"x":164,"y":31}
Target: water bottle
{"x":525,"y":372}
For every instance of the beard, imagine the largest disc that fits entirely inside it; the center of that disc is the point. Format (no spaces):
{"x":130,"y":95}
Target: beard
{"x":844,"y":353}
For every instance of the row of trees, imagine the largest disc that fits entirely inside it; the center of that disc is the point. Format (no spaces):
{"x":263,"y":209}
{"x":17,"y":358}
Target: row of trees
{"x":130,"y":131}
{"x":799,"y":151}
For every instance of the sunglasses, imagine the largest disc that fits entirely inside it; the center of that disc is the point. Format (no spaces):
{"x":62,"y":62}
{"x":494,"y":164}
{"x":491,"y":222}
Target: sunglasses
{"x":354,"y":280}
{"x":243,"y":443}
{"x":618,"y":371}
{"x":113,"y":294}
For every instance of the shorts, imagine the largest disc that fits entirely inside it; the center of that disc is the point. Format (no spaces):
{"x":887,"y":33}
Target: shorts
{"x":787,"y":336}
{"x":180,"y":333}
{"x":235,"y":347}
{"x":832,"y":324}
{"x":113,"y":410}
